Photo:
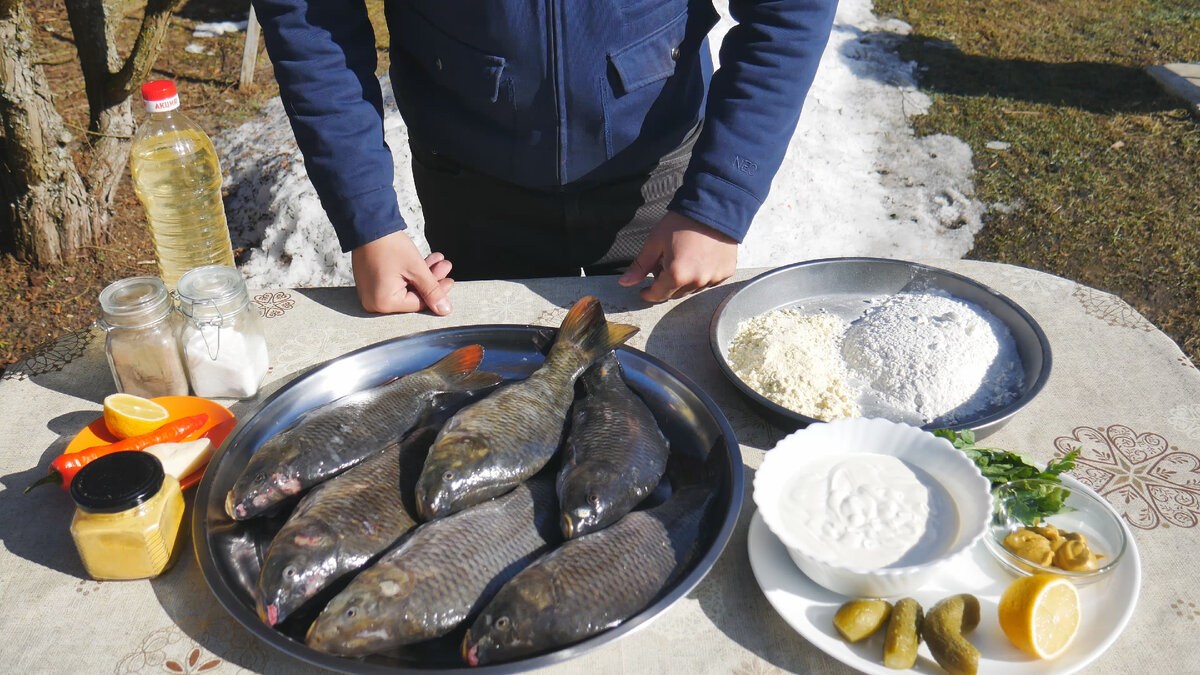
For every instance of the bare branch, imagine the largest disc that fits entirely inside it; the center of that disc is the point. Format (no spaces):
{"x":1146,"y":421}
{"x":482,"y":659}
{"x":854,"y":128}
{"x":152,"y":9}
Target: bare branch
{"x":146,"y":47}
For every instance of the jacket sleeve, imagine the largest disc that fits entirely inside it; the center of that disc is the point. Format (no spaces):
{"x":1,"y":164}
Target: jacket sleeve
{"x":767,"y":64}
{"x":324,"y":58}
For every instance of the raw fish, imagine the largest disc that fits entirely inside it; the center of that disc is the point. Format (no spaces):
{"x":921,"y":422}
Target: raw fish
{"x":493,"y":444}
{"x":614,"y":455}
{"x":441,"y":575}
{"x":334,"y":437}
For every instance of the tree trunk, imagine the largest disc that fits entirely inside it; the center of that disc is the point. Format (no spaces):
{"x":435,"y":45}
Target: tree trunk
{"x":109,"y":82}
{"x":46,"y":213}
{"x":50,"y":210}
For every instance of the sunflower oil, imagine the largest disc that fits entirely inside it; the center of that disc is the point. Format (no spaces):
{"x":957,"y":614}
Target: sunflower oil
{"x":177,"y":177}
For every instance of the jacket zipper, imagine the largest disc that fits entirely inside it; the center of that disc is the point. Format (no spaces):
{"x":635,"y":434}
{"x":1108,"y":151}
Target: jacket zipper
{"x":554,"y":16}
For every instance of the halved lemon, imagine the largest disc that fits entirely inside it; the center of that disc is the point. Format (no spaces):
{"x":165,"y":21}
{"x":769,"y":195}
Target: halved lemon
{"x":127,"y":415}
{"x":1040,"y":614}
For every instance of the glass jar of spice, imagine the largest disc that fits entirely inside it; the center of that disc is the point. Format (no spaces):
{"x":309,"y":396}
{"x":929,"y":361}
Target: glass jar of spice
{"x":222,"y":341}
{"x":127,"y":516}
{"x":141,"y":325}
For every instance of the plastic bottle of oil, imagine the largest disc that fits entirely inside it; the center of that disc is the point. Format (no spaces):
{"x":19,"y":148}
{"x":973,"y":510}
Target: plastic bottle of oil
{"x":177,"y":177}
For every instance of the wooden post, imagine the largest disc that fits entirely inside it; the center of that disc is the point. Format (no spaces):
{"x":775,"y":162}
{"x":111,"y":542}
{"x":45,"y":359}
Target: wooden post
{"x":250,"y":52}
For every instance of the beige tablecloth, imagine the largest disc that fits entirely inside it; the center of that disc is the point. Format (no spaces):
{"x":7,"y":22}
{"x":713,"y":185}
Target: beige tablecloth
{"x":1120,"y":389}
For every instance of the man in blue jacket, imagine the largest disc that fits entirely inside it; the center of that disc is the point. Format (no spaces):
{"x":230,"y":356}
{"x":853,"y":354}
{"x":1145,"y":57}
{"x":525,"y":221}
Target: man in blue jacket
{"x":547,"y":135}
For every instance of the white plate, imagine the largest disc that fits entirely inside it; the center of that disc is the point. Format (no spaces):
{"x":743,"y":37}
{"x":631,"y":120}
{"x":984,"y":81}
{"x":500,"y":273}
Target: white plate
{"x":808,"y":608}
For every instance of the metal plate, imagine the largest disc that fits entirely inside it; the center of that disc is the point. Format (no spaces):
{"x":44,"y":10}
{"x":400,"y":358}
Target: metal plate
{"x":842,"y":286}
{"x":231,"y":552}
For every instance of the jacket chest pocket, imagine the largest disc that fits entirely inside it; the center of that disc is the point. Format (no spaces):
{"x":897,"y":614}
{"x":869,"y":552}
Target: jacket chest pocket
{"x":653,"y":88}
{"x":474,"y":75}
{"x":649,"y":60}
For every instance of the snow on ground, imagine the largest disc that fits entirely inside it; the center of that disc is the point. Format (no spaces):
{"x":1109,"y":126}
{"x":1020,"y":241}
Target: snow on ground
{"x":855,"y":180}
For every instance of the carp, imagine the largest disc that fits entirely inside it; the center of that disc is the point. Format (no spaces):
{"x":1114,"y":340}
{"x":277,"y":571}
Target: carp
{"x":614,"y":455}
{"x":495,"y":443}
{"x":334,"y":437}
{"x":441,"y":575}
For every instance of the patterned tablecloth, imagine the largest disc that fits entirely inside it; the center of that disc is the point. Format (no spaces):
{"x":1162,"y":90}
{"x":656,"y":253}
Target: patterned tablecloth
{"x":1120,"y":389}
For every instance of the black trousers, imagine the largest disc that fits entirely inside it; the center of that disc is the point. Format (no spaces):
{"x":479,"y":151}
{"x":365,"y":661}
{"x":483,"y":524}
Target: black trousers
{"x":491,"y":229}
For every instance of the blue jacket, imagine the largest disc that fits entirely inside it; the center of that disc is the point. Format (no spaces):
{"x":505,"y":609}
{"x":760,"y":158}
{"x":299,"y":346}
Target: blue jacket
{"x":548,"y":94}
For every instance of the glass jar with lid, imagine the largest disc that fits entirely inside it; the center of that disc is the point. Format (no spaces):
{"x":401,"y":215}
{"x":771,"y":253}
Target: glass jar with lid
{"x":141,"y":326}
{"x":128,"y":513}
{"x":222,"y":341}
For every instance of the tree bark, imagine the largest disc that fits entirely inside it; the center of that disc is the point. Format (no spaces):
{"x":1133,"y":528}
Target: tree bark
{"x":50,"y":209}
{"x":109,"y":83}
{"x":46,"y":212}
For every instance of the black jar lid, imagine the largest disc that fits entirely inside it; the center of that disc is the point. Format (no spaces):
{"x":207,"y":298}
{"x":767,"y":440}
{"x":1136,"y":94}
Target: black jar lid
{"x":117,"y":482}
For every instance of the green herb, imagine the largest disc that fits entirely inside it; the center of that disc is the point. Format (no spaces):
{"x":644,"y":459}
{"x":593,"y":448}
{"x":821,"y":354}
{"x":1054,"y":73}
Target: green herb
{"x":1001,"y":466}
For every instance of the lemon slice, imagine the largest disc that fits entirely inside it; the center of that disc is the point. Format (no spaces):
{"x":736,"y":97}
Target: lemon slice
{"x":127,"y":415}
{"x":1040,"y":614}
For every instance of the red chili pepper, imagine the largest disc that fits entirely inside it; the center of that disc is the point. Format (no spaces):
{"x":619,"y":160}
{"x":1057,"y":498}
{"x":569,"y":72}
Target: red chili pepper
{"x":64,"y":467}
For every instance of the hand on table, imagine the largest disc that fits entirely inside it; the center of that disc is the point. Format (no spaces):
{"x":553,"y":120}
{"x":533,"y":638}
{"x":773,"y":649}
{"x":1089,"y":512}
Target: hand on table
{"x":392,"y":277}
{"x":685,"y":256}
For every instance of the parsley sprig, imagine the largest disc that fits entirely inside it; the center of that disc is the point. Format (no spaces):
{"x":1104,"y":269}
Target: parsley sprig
{"x":1001,"y":466}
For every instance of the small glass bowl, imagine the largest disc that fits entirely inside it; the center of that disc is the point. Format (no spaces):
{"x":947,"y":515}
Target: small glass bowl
{"x":1085,"y":512}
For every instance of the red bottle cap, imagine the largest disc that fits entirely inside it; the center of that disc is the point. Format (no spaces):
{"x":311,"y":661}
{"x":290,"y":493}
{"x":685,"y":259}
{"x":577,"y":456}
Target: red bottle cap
{"x":160,"y":96}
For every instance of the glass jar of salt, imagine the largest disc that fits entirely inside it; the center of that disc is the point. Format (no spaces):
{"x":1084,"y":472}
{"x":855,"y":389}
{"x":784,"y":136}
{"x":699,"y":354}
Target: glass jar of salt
{"x":222,"y":341}
{"x":140,"y":323}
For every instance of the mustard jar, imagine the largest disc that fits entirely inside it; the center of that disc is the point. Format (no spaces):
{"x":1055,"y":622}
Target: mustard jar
{"x":127,"y":516}
{"x":222,"y":341}
{"x":141,"y":324}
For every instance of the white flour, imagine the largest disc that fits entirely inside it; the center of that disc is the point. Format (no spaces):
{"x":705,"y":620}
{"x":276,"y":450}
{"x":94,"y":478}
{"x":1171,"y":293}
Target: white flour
{"x":792,"y":359}
{"x":929,"y":357}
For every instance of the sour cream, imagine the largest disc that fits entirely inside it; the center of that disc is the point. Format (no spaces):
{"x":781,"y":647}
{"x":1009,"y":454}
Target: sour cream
{"x":868,"y":511}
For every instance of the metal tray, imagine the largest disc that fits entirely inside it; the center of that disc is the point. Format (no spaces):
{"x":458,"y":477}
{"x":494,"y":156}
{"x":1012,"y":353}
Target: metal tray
{"x":230,"y":552}
{"x":841,"y":286}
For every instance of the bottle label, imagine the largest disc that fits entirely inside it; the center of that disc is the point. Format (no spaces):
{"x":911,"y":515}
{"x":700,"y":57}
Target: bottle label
{"x":163,"y":105}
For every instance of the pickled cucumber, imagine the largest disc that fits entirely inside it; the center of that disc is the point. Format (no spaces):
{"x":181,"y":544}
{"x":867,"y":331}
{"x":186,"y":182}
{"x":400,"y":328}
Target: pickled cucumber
{"x":858,"y":619}
{"x":903,"y":635}
{"x":943,"y":630}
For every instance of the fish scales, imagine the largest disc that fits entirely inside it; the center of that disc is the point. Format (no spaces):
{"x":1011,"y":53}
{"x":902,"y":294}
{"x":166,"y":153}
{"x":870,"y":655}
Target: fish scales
{"x":590,"y":583}
{"x":340,"y":525}
{"x":522,"y":421}
{"x":440,"y":575}
{"x":334,"y":437}
{"x":614,"y":455}
{"x":491,"y":445}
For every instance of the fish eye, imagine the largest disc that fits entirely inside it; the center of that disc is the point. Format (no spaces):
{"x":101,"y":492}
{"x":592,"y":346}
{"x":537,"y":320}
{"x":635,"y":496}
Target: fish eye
{"x":289,"y":571}
{"x":501,"y":623}
{"x":351,"y":613}
{"x":448,"y":476}
{"x":260,"y":478}
{"x":593,"y":499}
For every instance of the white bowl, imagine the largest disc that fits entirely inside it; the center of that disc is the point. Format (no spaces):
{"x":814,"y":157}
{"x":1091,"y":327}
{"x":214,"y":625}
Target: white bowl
{"x":958,"y":495}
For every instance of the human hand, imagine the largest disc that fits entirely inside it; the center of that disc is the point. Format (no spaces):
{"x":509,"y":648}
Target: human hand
{"x":685,"y":256}
{"x":392,"y":277}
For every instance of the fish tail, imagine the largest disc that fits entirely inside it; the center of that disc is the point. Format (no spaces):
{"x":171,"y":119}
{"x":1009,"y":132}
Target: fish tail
{"x":458,"y":370}
{"x":607,"y":369}
{"x":586,"y":332}
{"x":686,"y":470}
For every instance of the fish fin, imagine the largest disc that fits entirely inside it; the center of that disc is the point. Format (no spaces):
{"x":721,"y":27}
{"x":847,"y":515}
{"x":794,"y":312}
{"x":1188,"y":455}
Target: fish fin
{"x":688,"y":470}
{"x":458,"y":370}
{"x":480,"y":379}
{"x":459,"y":362}
{"x":586,"y":331}
{"x":603,"y":371}
{"x":543,"y":339}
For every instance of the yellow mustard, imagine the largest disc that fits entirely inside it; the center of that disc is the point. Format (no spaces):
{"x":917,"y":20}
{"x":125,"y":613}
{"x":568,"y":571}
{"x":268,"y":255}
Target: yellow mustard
{"x":127,"y":516}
